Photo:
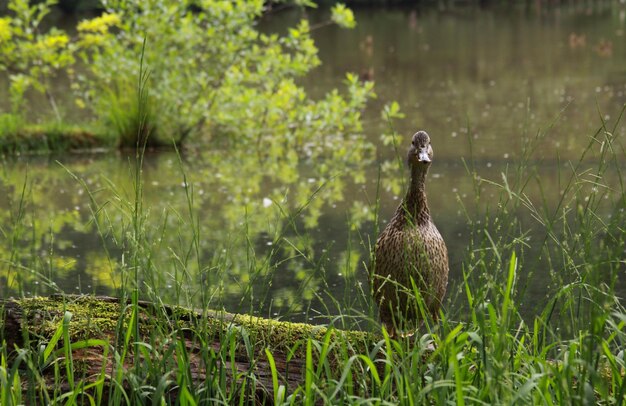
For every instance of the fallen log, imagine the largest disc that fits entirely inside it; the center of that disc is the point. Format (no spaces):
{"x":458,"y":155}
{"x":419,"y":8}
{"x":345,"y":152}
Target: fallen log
{"x":104,"y":340}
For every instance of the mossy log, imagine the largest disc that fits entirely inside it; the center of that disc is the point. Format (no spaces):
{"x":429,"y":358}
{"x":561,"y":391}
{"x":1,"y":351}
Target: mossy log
{"x":237,"y":343}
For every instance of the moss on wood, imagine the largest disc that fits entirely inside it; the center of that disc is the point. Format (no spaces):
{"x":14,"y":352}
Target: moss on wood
{"x":238,"y":341}
{"x":93,"y":316}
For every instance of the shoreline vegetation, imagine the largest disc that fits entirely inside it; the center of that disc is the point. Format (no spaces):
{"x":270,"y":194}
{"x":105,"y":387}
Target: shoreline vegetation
{"x":216,"y":73}
{"x":136,"y":350}
{"x":34,"y":139}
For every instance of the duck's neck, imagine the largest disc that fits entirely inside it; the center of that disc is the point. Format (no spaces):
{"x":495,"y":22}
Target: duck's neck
{"x":414,"y":207}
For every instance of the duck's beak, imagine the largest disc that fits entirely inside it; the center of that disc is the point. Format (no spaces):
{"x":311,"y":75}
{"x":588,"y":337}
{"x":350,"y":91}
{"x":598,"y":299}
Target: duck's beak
{"x":422,"y":155}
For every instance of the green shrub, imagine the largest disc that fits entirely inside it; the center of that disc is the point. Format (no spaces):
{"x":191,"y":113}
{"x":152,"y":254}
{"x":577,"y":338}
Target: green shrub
{"x":212,"y":73}
{"x":30,"y":57}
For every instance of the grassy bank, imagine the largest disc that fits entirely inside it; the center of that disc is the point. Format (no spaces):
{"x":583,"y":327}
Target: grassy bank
{"x":19,"y":138}
{"x":486,"y":347}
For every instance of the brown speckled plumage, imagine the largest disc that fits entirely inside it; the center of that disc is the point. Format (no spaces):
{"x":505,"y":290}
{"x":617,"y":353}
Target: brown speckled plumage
{"x":411,"y":248}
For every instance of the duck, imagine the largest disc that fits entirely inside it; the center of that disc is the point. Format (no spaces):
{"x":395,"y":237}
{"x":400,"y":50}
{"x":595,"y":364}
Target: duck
{"x":411,"y":257}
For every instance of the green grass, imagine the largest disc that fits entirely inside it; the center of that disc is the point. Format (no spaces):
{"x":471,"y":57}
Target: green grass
{"x":17,"y":136}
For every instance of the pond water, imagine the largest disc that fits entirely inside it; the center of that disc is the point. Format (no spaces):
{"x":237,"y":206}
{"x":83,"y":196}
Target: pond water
{"x":218,"y":228}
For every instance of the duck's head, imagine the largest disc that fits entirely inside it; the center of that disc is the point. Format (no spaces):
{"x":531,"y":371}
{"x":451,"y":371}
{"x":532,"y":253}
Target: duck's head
{"x":420,"y":152}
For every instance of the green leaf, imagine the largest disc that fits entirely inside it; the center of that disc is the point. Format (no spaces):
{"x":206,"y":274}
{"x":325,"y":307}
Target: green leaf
{"x":55,"y":337}
{"x":342,"y":16}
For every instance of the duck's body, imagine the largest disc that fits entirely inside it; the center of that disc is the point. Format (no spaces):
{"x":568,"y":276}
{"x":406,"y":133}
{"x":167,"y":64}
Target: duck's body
{"x":411,"y":252}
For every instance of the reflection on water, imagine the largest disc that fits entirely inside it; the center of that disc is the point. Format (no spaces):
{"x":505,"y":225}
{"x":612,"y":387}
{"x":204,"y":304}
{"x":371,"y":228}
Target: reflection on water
{"x":220,"y":228}
{"x":291,"y":238}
